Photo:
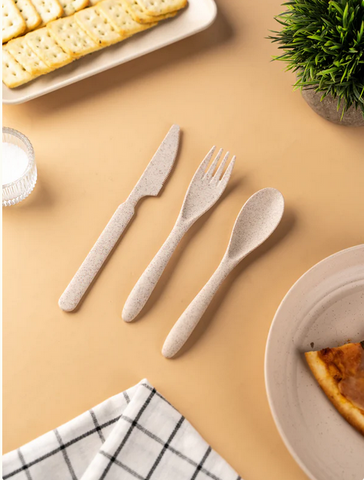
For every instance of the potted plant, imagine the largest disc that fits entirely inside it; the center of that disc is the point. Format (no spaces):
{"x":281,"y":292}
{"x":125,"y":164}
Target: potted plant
{"x":323,"y":42}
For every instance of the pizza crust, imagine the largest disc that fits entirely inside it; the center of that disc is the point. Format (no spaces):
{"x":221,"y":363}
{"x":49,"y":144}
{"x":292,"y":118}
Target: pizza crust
{"x":350,"y":412}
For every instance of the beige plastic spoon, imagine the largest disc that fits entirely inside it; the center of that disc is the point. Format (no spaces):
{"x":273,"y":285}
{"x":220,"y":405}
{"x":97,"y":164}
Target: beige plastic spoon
{"x":256,"y":221}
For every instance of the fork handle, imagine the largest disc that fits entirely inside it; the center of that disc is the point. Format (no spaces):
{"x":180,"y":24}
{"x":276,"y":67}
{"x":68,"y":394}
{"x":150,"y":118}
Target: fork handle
{"x":144,"y":287}
{"x":96,"y":257}
{"x":189,"y":319}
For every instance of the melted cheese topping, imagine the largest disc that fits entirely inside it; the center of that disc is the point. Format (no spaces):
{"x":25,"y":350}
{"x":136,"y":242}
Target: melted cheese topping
{"x":346,"y":366}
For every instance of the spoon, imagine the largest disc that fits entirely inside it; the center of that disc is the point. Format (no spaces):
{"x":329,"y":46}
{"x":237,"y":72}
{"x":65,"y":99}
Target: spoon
{"x":256,"y":221}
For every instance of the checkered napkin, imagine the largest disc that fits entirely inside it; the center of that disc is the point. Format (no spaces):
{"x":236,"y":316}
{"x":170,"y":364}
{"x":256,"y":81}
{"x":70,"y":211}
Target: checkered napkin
{"x":136,"y":434}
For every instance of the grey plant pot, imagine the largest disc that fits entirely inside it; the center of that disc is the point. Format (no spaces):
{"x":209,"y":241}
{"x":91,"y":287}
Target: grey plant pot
{"x":328,"y":109}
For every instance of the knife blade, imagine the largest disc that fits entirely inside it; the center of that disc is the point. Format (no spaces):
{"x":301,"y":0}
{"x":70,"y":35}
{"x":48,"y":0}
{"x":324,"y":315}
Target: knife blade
{"x":159,"y":168}
{"x":149,"y":184}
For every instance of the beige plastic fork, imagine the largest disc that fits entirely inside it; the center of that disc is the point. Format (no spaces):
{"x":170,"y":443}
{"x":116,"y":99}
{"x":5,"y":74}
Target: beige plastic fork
{"x":203,"y":192}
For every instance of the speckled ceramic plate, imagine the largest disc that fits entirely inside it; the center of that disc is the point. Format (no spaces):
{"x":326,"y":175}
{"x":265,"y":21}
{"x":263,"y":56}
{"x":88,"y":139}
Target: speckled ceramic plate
{"x":325,"y":307}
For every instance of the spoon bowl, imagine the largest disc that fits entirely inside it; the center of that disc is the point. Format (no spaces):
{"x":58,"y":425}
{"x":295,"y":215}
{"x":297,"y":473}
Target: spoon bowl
{"x":256,"y":221}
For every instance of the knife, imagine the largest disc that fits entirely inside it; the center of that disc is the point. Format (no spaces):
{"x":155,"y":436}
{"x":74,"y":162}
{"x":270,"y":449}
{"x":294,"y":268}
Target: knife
{"x":149,"y":184}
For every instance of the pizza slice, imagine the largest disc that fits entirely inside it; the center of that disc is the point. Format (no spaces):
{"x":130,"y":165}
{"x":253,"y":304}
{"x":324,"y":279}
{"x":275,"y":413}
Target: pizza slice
{"x":340,"y":373}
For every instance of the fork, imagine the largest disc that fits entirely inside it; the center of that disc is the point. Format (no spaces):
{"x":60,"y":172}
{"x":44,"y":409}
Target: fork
{"x":205,"y":189}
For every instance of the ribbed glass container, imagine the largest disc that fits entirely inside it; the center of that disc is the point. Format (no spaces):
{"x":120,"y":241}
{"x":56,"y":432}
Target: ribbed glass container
{"x":14,"y":192}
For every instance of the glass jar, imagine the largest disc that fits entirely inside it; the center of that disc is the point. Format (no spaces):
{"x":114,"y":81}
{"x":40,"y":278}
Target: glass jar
{"x":17,"y":190}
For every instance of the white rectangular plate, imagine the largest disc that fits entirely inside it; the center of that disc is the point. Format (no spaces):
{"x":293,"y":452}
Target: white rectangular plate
{"x":198,"y":16}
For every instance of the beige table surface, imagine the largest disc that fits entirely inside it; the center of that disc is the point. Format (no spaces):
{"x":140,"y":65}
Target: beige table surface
{"x":92,"y":142}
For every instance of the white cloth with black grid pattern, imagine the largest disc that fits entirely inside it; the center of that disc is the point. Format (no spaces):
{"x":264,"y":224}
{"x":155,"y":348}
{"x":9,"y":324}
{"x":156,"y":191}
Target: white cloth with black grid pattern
{"x":134,"y":435}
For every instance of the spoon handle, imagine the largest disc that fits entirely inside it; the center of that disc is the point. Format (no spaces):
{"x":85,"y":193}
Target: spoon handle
{"x":189,"y":319}
{"x":144,"y":287}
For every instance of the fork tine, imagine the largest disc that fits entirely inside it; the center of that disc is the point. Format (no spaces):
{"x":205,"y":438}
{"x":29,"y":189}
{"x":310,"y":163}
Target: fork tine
{"x":200,"y":172}
{"x":218,"y":174}
{"x":227,"y":174}
{"x":211,"y":170}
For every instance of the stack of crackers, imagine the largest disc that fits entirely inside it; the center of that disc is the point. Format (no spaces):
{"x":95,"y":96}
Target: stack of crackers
{"x":43,"y":35}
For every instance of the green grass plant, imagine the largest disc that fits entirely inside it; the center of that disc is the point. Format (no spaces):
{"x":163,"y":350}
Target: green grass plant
{"x":323,"y":42}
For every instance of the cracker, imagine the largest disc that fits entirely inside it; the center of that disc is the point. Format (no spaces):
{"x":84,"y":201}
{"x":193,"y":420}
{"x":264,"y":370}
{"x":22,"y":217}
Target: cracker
{"x":71,"y":37}
{"x":72,"y":6}
{"x":140,"y":15}
{"x":48,"y":10}
{"x":43,"y":44}
{"x":98,"y":26}
{"x":24,"y":55}
{"x":13,"y":73}
{"x":29,"y":13}
{"x":161,"y":7}
{"x":13,"y":24}
{"x":118,"y":15}
{"x":94,"y":2}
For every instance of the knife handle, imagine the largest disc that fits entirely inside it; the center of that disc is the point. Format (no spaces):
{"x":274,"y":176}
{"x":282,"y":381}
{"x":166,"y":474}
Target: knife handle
{"x":144,"y":287}
{"x":96,"y":257}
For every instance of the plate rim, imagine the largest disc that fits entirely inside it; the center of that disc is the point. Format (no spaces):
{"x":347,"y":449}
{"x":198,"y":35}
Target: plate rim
{"x":275,"y":416}
{"x":28,"y":97}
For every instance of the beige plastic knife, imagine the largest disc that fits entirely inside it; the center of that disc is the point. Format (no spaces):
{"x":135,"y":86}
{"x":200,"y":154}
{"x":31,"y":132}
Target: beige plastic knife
{"x":149,"y":184}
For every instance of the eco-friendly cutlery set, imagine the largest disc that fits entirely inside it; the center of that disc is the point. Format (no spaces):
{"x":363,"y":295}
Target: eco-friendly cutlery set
{"x":256,"y":221}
